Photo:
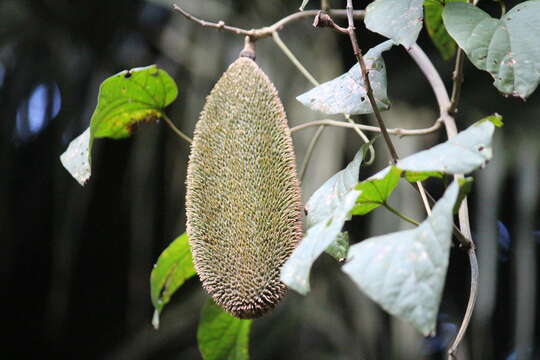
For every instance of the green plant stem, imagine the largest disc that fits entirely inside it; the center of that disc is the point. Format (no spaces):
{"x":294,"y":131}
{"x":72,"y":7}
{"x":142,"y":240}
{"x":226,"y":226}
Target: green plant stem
{"x":400,"y":215}
{"x":180,"y":134}
{"x":309,"y":152}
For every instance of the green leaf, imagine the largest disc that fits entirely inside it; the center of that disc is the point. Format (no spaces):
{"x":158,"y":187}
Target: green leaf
{"x":304,"y":3}
{"x":339,"y":248}
{"x":462,"y":154}
{"x":125,"y":99}
{"x":222,"y":336}
{"x":399,"y":20}
{"x":346,"y":94}
{"x":376,"y":190}
{"x":404,"y":272}
{"x":507,"y":48}
{"x":295,"y":271}
{"x":173,"y":268}
{"x":433,"y":10}
{"x":414,"y":176}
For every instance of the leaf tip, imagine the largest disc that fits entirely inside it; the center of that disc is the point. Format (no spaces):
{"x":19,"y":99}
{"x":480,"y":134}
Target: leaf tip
{"x":76,"y":158}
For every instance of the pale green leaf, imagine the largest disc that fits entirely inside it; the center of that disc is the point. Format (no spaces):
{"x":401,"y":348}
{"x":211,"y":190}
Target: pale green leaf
{"x":173,"y":268}
{"x":346,"y":94}
{"x":324,"y":201}
{"x":399,"y":20}
{"x":295,"y":271}
{"x":125,"y":99}
{"x":507,"y":48}
{"x":462,"y":154}
{"x":404,"y":272}
{"x":222,"y":336}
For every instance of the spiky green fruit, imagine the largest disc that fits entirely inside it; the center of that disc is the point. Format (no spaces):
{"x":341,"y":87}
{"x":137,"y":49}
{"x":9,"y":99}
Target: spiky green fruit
{"x":243,"y":197}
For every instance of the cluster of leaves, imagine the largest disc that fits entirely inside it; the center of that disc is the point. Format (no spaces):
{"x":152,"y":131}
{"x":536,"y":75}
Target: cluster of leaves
{"x":403,"y":271}
{"x":502,"y":47}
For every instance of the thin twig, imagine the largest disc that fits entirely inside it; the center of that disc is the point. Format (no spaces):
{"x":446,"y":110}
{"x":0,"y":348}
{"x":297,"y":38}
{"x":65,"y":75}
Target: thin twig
{"x":266,"y":31}
{"x":309,"y":151}
{"x":294,"y":59}
{"x":457,"y":76}
{"x":367,"y":82}
{"x":180,"y":134}
{"x":423,"y":195}
{"x":396,"y":131}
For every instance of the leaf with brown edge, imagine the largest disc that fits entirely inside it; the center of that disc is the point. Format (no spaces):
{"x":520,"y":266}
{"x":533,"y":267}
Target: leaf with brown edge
{"x":125,"y":100}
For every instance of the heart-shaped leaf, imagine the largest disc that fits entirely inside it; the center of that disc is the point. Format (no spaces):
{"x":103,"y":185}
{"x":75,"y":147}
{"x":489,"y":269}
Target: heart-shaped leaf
{"x":405,"y":271}
{"x":399,"y":20}
{"x":222,"y":336}
{"x":173,"y":268}
{"x":465,"y":152}
{"x":346,"y":94}
{"x":507,"y":48}
{"x":125,"y":99}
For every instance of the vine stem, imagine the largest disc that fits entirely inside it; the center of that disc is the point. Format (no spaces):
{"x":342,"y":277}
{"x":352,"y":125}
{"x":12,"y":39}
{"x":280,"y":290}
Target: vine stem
{"x":309,"y":151}
{"x":433,"y":77}
{"x":396,"y":131}
{"x":177,"y":131}
{"x":266,"y":31}
{"x":400,"y":215}
{"x":470,"y":304}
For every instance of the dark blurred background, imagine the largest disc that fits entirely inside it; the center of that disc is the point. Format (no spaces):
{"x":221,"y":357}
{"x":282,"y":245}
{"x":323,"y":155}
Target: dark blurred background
{"x":75,"y":261}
